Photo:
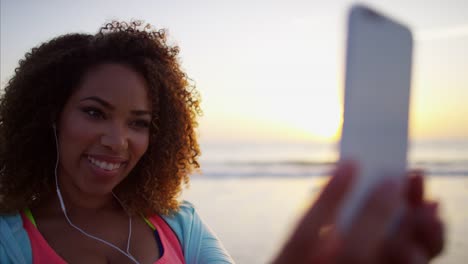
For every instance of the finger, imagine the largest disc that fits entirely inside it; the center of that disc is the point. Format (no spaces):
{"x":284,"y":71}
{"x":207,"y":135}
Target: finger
{"x":328,"y":250}
{"x":403,"y":253}
{"x":325,"y":207}
{"x":418,"y":256}
{"x":368,"y":231}
{"x":415,"y":188}
{"x":307,"y":234}
{"x":397,"y":246}
{"x":429,"y":229}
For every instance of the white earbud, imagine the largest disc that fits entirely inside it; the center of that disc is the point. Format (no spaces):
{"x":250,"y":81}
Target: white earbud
{"x":59,"y":194}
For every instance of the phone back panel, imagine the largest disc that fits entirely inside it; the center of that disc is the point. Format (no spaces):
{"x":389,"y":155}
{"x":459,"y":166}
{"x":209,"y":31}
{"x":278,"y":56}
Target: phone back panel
{"x":376,"y":101}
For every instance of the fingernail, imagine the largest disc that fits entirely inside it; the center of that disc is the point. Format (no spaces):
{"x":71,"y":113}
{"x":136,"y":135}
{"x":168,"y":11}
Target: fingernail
{"x":333,"y":243}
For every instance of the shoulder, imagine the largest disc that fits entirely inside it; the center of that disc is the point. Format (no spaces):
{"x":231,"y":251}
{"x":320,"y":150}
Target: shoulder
{"x":186,"y":210}
{"x":182,"y":222}
{"x":15,"y":245}
{"x":200,"y":244}
{"x":182,"y":219}
{"x":11,"y":226}
{"x":11,"y":220}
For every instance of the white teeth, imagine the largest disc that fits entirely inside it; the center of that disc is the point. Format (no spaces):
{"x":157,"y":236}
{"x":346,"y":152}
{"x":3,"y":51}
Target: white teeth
{"x":104,"y":165}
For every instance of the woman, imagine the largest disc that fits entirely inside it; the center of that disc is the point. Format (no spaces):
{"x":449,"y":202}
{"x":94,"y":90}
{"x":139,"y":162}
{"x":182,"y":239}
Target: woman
{"x":97,"y":139}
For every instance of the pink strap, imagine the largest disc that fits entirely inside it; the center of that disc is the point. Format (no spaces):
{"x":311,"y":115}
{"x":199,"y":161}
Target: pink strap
{"x":42,"y":253}
{"x":172,"y":248}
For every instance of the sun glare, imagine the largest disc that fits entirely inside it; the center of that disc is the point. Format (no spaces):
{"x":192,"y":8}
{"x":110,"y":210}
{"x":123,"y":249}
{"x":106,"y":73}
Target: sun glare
{"x":323,"y":125}
{"x":325,"y":129}
{"x":317,"y":119}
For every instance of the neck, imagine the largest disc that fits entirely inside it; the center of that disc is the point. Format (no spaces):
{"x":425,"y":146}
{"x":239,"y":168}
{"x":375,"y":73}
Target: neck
{"x":76,"y":200}
{"x":77,"y":207}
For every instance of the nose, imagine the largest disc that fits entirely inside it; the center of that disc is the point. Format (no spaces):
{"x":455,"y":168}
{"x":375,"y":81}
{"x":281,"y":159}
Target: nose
{"x":115,"y":138}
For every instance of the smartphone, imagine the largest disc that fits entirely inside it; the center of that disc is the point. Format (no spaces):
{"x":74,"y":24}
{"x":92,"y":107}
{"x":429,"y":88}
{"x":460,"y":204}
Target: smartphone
{"x":376,"y":103}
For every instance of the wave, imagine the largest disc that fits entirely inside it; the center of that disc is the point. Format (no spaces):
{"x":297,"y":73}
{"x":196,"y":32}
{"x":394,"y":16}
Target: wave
{"x":306,"y":168}
{"x":275,"y":163}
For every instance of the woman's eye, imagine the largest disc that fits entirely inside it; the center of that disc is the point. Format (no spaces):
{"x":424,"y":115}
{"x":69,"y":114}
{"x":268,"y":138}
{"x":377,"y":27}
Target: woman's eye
{"x":94,"y":113}
{"x":140,"y":124}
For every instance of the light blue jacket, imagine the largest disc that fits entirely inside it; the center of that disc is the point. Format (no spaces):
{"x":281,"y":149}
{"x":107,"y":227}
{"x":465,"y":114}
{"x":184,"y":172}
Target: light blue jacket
{"x":199,"y":244}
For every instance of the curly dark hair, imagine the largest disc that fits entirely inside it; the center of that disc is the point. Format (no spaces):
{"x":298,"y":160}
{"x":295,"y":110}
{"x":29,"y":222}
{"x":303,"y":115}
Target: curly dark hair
{"x":49,"y":74}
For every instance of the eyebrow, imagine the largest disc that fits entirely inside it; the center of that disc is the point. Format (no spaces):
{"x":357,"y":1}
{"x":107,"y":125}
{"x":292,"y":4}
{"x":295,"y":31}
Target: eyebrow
{"x":107,"y":105}
{"x":100,"y":101}
{"x":140,"y":112}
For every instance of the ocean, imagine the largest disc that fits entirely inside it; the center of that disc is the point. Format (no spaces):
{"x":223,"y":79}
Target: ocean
{"x":252,"y":194}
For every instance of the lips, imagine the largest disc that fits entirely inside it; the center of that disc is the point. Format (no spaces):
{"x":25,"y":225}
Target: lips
{"x":106,"y":163}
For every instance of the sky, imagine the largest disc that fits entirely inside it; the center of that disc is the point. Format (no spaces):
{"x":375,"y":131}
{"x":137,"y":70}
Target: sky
{"x":271,"y":70}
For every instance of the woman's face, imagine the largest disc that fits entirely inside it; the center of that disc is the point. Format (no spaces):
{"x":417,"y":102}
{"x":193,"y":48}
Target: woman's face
{"x":103,"y":130}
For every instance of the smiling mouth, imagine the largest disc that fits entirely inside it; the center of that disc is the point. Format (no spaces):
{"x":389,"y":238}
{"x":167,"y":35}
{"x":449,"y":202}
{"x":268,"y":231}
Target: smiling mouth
{"x":108,"y":166}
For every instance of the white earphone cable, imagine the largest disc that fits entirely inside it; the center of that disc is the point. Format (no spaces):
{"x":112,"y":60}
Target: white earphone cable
{"x":64,"y":210}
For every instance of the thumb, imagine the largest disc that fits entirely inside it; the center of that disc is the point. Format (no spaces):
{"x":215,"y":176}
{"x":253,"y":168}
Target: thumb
{"x":307,"y":234}
{"x":328,"y":203}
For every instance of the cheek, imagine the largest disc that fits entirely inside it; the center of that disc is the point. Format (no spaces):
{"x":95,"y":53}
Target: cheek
{"x":140,"y":145}
{"x":74,"y":135}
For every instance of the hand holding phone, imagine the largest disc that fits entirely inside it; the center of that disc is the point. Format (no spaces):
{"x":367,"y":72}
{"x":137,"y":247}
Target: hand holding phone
{"x":376,"y":103}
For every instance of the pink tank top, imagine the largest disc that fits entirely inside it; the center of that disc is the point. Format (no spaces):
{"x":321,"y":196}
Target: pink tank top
{"x":43,"y":253}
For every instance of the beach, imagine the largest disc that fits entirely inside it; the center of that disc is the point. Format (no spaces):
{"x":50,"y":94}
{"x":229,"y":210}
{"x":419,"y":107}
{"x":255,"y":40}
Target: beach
{"x":253,"y":205}
{"x":254,"y":216}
